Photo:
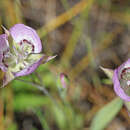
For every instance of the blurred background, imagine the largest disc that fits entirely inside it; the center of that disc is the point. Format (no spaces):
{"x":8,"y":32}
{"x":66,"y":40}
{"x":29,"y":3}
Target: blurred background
{"x":84,"y":34}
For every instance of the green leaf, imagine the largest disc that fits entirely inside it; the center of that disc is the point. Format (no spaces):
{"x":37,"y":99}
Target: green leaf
{"x":42,"y":119}
{"x":28,"y":101}
{"x":60,"y":117}
{"x":127,"y":104}
{"x":106,"y":114}
{"x":107,"y":81}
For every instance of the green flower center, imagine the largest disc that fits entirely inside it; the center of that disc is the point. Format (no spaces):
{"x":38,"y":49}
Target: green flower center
{"x":16,"y":57}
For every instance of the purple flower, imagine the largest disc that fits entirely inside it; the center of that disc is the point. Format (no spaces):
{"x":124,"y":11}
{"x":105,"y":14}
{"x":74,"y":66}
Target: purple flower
{"x":20,"y":52}
{"x":121,"y":80}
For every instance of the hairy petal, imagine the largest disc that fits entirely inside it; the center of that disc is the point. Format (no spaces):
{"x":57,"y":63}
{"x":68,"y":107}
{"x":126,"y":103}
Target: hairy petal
{"x":20,"y":32}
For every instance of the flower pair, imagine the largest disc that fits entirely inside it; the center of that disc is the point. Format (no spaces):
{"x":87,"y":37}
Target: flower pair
{"x":20,"y":52}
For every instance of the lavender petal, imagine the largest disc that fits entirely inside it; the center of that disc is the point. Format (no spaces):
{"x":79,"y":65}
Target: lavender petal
{"x":119,"y":91}
{"x":20,"y":32}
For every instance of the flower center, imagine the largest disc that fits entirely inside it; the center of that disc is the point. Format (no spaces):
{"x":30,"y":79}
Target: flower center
{"x":26,"y":47}
{"x":15,"y":58}
{"x":125,"y":80}
{"x":125,"y":74}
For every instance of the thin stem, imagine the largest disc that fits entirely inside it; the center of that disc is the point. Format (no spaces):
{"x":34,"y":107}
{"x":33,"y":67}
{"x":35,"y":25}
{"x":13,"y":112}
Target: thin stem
{"x":41,"y":88}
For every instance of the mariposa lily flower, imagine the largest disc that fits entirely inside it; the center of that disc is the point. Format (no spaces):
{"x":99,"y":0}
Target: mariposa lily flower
{"x":121,"y":80}
{"x":20,"y":52}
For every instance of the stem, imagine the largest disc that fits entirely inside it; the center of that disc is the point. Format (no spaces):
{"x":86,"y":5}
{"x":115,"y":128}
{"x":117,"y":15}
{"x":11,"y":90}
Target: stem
{"x":41,"y":88}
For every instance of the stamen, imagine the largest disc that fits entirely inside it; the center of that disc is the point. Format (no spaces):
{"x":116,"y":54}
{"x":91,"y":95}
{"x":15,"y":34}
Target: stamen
{"x":15,"y":58}
{"x":27,"y":47}
{"x":125,"y":80}
{"x":125,"y":74}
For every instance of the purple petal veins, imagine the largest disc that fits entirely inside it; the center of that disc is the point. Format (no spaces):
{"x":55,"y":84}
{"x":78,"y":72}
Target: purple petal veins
{"x":20,"y":32}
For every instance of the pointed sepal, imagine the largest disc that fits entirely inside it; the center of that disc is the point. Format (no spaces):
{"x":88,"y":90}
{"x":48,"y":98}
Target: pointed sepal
{"x":8,"y":77}
{"x":108,"y":72}
{"x":47,"y":58}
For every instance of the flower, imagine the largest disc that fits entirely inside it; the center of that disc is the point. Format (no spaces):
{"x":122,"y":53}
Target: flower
{"x":121,"y":81}
{"x":20,"y":52}
{"x":63,"y":78}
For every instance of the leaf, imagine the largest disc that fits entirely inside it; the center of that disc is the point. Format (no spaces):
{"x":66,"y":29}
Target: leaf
{"x":107,"y":81}
{"x":106,"y":114}
{"x":127,"y":104}
{"x":27,"y":101}
{"x":60,"y":117}
{"x":42,"y":119}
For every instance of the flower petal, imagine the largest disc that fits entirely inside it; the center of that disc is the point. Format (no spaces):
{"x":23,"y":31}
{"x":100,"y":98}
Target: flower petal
{"x":3,"y":47}
{"x":20,"y":32}
{"x":3,"y":43}
{"x":119,"y":91}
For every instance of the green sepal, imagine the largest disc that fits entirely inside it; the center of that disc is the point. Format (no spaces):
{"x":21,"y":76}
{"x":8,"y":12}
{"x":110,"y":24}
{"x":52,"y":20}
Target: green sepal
{"x":108,"y":72}
{"x":8,"y":77}
{"x":33,"y":58}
